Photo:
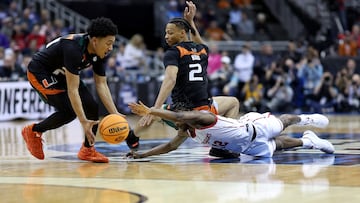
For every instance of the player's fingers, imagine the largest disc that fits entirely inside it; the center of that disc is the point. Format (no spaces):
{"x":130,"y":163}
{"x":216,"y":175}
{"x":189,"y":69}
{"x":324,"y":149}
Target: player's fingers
{"x":91,"y":138}
{"x":142,"y":121}
{"x":149,"y":120}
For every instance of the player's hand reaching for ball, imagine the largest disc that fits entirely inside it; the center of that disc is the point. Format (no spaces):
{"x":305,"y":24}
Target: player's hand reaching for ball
{"x":134,"y":155}
{"x":139,"y":108}
{"x":88,"y":126}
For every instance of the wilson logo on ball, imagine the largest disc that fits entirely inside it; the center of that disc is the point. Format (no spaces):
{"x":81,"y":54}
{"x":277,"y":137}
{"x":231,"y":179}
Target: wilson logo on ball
{"x":116,"y":129}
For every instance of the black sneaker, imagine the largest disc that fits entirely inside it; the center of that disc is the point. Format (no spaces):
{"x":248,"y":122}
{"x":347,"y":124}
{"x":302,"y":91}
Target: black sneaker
{"x":132,"y":141}
{"x":223,"y":153}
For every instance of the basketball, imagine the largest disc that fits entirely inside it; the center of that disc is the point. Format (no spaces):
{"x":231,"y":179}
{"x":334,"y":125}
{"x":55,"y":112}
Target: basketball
{"x":114,"y":128}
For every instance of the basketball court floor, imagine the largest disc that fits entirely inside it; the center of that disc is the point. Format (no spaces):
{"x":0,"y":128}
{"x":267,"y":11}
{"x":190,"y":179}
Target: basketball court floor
{"x":186,"y":175}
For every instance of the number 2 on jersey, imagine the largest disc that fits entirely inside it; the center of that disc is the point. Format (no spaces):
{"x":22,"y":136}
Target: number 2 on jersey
{"x":194,"y":69}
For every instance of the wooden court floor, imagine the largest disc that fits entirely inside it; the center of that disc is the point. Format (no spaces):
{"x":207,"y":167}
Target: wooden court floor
{"x":186,"y":175}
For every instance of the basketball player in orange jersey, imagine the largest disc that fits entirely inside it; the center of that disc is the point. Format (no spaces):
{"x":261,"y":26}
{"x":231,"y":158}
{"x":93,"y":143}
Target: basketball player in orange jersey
{"x":186,"y":61}
{"x":54,"y":73}
{"x":253,"y":134}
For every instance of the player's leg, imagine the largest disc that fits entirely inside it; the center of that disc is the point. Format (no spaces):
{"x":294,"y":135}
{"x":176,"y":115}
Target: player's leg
{"x":54,"y":96}
{"x":227,"y":106}
{"x":316,"y":120}
{"x":32,"y":134}
{"x":286,"y":142}
{"x":309,"y":141}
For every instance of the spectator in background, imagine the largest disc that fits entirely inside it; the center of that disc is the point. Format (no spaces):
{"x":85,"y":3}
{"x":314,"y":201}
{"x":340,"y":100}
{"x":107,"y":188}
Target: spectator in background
{"x":13,"y":10}
{"x":7,"y":27}
{"x":310,"y":71}
{"x":280,"y":96}
{"x":214,"y":60}
{"x":134,"y":55}
{"x":111,"y":67}
{"x":342,"y":79}
{"x":243,"y":66}
{"x":297,"y":85}
{"x":342,"y":82}
{"x":350,"y":68}
{"x":215,"y":33}
{"x":273,"y":72}
{"x":36,"y":38}
{"x":353,"y":93}
{"x":355,"y":35}
{"x":10,"y":70}
{"x":2,"y":55}
{"x":221,"y":77}
{"x":59,"y":29}
{"x":29,"y":17}
{"x":261,"y":28}
{"x":120,"y":55}
{"x":292,"y":52}
{"x":246,"y":28}
{"x":172,"y":10}
{"x":201,"y":22}
{"x":253,"y":94}
{"x":19,"y":36}
{"x":234,"y":18}
{"x":347,"y":46}
{"x":264,"y":59}
{"x":324,"y":95}
{"x":157,"y":62}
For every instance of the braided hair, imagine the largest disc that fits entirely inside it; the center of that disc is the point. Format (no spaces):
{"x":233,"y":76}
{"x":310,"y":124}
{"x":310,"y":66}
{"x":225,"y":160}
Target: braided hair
{"x":102,"y":27}
{"x":183,"y":24}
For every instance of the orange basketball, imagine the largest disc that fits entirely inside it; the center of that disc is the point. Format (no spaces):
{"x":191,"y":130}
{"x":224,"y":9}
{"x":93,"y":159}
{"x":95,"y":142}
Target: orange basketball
{"x":114,"y":128}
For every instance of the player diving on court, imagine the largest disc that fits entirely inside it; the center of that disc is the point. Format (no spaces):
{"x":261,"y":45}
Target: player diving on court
{"x":253,"y":134}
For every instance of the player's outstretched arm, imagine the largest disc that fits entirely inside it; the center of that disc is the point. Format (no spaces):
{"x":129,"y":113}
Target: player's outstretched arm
{"x":163,"y":148}
{"x":189,"y":14}
{"x":195,"y":119}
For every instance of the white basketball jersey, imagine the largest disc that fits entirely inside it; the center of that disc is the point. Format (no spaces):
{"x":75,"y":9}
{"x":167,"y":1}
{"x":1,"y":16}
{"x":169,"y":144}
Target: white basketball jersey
{"x":225,"y":133}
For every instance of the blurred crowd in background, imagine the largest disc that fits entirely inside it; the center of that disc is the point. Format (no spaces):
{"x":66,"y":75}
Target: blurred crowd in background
{"x":293,"y":80}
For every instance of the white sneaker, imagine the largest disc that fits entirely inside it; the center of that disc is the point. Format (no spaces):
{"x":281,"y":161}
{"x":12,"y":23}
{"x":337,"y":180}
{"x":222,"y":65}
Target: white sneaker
{"x":316,"y":120}
{"x":318,"y":143}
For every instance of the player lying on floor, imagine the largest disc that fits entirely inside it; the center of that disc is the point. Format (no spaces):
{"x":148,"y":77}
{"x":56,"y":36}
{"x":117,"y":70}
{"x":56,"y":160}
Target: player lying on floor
{"x":253,"y":134}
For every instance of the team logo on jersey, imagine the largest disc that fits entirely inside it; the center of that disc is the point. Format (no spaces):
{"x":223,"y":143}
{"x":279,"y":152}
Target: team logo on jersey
{"x":47,"y":84}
